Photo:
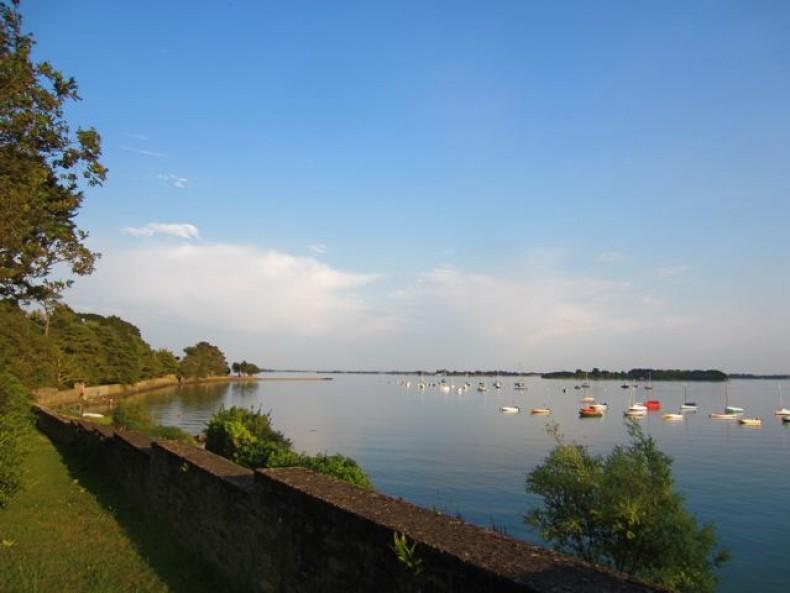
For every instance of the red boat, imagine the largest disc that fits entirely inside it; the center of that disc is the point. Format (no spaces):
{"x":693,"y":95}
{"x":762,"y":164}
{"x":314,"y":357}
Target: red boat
{"x":652,"y":404}
{"x":590,"y":413}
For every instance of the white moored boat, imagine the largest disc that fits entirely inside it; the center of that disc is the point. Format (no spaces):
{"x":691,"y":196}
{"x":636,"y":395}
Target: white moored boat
{"x":782,"y":411}
{"x":687,"y":406}
{"x":751,"y":421}
{"x":673,"y":417}
{"x":510,"y":409}
{"x":725,"y":416}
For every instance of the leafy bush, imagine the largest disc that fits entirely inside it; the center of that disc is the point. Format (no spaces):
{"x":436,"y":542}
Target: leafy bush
{"x":15,"y":423}
{"x":622,"y":510}
{"x":248,"y":438}
{"x":132,"y":416}
{"x":135,"y":416}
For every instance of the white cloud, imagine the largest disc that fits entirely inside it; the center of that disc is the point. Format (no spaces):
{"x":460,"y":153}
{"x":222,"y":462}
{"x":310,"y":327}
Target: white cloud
{"x":318,"y":248}
{"x":612,"y":257}
{"x":673,"y":270}
{"x":143,"y":152}
{"x":174,"y":180}
{"x":182,"y":231}
{"x":226,"y":287}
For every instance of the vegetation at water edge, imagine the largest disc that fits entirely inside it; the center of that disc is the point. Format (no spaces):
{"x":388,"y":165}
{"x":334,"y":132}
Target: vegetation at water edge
{"x":131,"y":415}
{"x":622,"y":510}
{"x":248,"y":438}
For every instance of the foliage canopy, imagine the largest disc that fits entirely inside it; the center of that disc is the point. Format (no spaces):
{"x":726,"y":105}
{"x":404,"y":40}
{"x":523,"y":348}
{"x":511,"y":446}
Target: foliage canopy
{"x":248,"y":438}
{"x":79,"y":347}
{"x":203,"y":360}
{"x":42,"y":167}
{"x":623,"y":511}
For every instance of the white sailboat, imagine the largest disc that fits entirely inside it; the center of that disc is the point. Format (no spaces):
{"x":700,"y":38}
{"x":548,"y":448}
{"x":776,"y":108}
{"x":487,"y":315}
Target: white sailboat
{"x":687,"y":406}
{"x":728,"y":413}
{"x":728,"y":408}
{"x":636,"y":409}
{"x":782,"y":411}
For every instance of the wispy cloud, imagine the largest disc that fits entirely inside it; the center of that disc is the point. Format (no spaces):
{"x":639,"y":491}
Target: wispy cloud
{"x":182,"y":231}
{"x":612,"y":257}
{"x":138,"y":137}
{"x":174,"y":180}
{"x":318,"y":248}
{"x":673,"y":270}
{"x":143,"y":152}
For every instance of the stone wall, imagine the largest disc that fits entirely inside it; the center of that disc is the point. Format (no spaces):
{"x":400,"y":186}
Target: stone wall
{"x":293,"y":530}
{"x":51,"y":397}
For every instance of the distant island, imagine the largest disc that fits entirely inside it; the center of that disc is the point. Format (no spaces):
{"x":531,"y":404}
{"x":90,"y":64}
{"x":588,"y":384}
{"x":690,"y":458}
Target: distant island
{"x":641,"y":375}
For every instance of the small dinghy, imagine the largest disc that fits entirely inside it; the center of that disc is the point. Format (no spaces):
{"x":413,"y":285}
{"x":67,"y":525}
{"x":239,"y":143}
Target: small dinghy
{"x":540,"y":411}
{"x":725,"y":416}
{"x":673,"y":417}
{"x":510,"y":409}
{"x":590,"y":412}
{"x":750,"y":421}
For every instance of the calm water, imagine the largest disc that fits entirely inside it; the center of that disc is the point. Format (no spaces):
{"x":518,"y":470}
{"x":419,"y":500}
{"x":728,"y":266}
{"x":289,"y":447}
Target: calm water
{"x":458,"y":453}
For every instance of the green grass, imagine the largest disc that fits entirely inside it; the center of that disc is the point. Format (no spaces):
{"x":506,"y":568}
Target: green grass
{"x":68,"y":531}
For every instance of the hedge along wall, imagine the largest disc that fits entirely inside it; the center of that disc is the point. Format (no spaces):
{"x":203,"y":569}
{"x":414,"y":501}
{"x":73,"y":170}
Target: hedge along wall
{"x":294,"y":530}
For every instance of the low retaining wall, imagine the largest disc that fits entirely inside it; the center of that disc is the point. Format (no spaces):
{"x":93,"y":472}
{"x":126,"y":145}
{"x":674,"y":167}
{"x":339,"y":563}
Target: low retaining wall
{"x":51,"y":397}
{"x":294,"y":530}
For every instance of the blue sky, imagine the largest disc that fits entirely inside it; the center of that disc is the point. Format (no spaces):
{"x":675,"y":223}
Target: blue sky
{"x":424,"y":184}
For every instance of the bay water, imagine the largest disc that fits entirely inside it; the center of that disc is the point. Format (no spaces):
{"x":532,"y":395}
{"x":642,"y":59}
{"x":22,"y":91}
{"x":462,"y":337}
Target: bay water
{"x":459,"y":454}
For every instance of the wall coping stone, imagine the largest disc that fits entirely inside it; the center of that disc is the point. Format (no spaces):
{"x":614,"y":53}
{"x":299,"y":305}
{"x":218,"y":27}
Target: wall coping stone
{"x":216,"y":465}
{"x":137,"y":440}
{"x":527,"y":564}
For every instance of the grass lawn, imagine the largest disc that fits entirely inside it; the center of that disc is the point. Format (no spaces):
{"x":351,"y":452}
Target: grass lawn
{"x":69,"y":532}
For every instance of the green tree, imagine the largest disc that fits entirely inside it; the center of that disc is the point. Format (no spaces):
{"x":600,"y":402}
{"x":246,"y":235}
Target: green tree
{"x":623,"y":511}
{"x":24,"y":351}
{"x":203,"y":360}
{"x":43,"y":168}
{"x":245,"y":368}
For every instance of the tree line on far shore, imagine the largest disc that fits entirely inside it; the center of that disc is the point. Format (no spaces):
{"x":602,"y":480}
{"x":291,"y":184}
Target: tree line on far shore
{"x":640,"y":375}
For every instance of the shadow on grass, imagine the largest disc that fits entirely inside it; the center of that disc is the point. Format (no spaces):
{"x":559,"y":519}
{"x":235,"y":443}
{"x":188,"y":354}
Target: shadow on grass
{"x":179,"y":568}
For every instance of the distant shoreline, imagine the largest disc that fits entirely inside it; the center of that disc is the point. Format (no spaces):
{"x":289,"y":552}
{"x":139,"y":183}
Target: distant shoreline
{"x":632,"y":375}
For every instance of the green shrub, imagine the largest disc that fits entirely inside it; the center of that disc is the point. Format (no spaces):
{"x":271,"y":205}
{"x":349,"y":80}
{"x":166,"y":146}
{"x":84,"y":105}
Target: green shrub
{"x":132,"y":416}
{"x":171,"y":433}
{"x":248,"y":438}
{"x":337,"y":466}
{"x":15,"y":423}
{"x":135,"y":416}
